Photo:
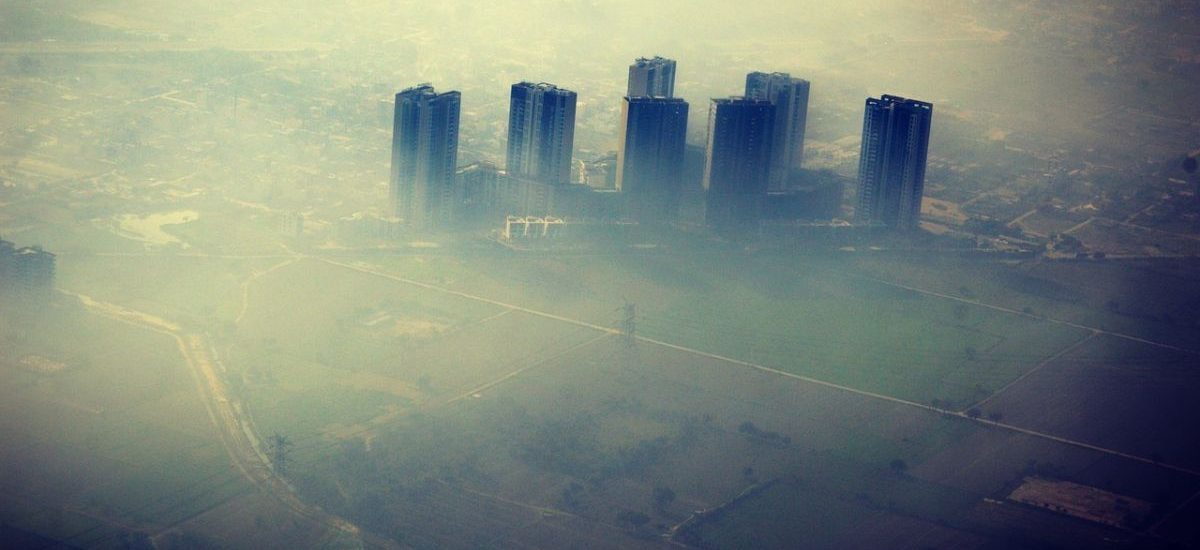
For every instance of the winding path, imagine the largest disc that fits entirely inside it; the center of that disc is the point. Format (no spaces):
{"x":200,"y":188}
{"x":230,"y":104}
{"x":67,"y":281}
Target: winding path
{"x":235,"y":431}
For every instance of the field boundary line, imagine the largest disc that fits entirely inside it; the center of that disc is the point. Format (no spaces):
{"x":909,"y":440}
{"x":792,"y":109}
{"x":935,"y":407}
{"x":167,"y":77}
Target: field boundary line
{"x":541,"y":510}
{"x":237,"y":439}
{"x":521,"y":370}
{"x":1172,"y":513}
{"x":1004,"y":309}
{"x":1079,"y":226}
{"x":1035,"y":368}
{"x":847,"y":389}
{"x":251,"y":279}
{"x":468,"y":296}
{"x":939,"y":410}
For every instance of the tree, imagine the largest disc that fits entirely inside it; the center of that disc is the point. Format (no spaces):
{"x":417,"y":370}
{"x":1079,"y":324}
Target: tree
{"x":898,"y":465}
{"x":960,"y":312}
{"x":636,"y":519}
{"x":663,"y":496}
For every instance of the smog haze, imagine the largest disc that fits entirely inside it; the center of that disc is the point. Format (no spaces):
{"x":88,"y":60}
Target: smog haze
{"x":599,"y":274}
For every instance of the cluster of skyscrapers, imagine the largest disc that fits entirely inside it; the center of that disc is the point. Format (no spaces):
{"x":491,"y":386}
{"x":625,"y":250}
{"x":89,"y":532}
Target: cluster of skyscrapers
{"x":753,"y":155}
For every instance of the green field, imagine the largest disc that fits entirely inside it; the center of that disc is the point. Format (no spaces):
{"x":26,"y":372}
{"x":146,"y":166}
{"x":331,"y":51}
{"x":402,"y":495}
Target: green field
{"x":595,"y":431}
{"x":114,"y":435}
{"x":808,"y":317}
{"x":442,"y":420}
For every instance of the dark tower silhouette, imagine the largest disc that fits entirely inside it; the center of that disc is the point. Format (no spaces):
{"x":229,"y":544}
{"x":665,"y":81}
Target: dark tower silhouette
{"x":891,"y":165}
{"x":541,"y":133}
{"x":653,"y":77}
{"x":424,"y":156}
{"x":790,"y":98}
{"x":650,"y":156}
{"x":737,"y":167}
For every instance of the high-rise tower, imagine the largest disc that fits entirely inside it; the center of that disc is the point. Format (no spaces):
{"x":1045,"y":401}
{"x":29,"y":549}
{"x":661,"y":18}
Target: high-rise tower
{"x":652,"y":77}
{"x":541,"y":133}
{"x":424,"y":155}
{"x":650,"y":156}
{"x":790,"y":98}
{"x":736,"y":170}
{"x":891,"y":164}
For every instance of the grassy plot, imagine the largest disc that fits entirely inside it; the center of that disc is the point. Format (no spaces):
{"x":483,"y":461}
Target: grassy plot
{"x":595,"y":431}
{"x":62,"y":230}
{"x":328,"y":355}
{"x":792,"y":315}
{"x":196,"y":291}
{"x":226,"y":229}
{"x":1151,"y":299}
{"x":1116,"y":393}
{"x":858,"y":334}
{"x":114,"y":440}
{"x":784,"y":513}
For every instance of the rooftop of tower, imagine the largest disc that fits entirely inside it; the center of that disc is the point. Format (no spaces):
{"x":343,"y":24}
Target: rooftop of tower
{"x":543,"y":86}
{"x":656,"y":60}
{"x":424,"y":90}
{"x":741,"y":100}
{"x":654,"y":99}
{"x":887,"y":98}
{"x":777,"y":76}
{"x":422,"y":87}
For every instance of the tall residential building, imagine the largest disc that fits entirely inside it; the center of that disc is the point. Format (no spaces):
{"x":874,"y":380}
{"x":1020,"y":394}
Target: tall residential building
{"x":482,"y":187}
{"x":541,"y":133}
{"x":790,"y":98}
{"x":891,"y":164}
{"x":650,"y":156}
{"x":654,"y":77}
{"x":424,"y":155}
{"x":737,"y":167}
{"x":26,"y":275}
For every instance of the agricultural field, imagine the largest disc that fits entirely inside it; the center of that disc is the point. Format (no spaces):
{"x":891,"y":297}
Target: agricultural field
{"x":491,"y":399}
{"x":199,"y":291}
{"x":468,"y":396}
{"x":1115,"y":393}
{"x":426,"y":402}
{"x":1114,"y":237}
{"x":805,"y":316}
{"x":106,"y":441}
{"x":1150,"y":299}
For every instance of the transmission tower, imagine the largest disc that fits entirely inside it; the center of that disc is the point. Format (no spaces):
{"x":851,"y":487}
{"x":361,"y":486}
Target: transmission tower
{"x":629,"y":323}
{"x":280,"y":447}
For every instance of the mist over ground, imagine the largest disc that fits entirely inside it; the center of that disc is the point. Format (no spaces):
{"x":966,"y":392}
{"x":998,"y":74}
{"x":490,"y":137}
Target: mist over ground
{"x":230,"y":352}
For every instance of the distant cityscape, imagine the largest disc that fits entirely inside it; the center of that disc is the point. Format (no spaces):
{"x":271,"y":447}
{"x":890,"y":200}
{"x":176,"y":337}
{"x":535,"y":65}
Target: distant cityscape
{"x":472,"y":275}
{"x":750,"y":168}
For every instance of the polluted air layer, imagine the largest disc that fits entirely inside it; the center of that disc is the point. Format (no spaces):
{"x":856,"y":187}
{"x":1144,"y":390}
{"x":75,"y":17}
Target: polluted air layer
{"x":599,"y":274}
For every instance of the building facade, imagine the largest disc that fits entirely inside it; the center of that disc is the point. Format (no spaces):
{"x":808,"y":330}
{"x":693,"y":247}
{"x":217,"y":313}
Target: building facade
{"x":736,"y":169}
{"x":650,"y":155}
{"x":26,"y":275}
{"x":790,"y":98}
{"x":424,"y":156}
{"x":541,"y":133}
{"x":891,"y":166}
{"x":651,"y":77}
